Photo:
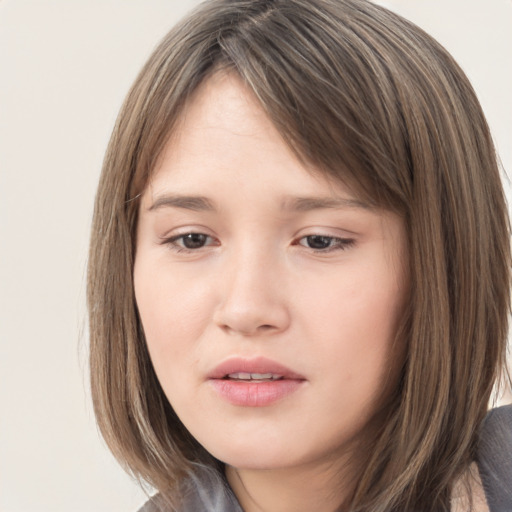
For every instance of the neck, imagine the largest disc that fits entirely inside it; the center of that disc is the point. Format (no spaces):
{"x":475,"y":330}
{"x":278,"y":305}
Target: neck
{"x":290,"y":490}
{"x":326,"y":485}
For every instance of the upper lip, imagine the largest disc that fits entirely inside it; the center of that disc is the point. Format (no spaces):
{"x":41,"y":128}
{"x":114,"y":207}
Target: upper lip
{"x":260,"y":365}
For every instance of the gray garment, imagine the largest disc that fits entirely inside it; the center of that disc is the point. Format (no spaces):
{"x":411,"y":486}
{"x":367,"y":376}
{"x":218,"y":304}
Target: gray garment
{"x":207,"y":491}
{"x":494,"y":459}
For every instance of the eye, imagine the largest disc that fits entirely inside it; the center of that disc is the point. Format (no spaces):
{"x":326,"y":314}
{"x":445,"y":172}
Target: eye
{"x":325,"y":243}
{"x":189,"y":241}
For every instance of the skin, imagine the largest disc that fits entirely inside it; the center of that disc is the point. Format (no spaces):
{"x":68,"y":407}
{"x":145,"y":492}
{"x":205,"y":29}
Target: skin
{"x":256,"y":285}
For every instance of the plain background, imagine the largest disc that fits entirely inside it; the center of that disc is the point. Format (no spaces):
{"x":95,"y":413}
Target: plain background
{"x":65,"y":66}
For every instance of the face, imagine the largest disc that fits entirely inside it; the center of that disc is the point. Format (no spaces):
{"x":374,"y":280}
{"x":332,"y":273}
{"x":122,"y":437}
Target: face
{"x":268,"y":295}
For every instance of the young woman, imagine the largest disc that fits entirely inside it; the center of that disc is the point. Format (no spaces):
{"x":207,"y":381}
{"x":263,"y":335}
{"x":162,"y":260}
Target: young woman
{"x":299,"y":269}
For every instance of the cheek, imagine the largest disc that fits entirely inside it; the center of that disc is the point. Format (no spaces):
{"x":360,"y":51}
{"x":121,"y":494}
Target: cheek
{"x":359,"y":303}
{"x":354,"y":326}
{"x":174,"y":312}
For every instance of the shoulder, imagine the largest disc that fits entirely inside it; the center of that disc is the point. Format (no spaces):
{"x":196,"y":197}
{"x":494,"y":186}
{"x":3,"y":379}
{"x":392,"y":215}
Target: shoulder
{"x":494,"y":458}
{"x":205,"y":489}
{"x":152,"y":505}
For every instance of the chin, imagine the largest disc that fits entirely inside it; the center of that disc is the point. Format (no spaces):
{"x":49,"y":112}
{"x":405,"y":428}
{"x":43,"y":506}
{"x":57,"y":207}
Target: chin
{"x":257,"y":454}
{"x":259,"y":462}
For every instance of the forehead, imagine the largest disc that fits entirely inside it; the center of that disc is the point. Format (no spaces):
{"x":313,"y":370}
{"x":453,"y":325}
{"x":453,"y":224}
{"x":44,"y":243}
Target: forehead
{"x":224,"y":126}
{"x":221,"y":113}
{"x":224,"y":135}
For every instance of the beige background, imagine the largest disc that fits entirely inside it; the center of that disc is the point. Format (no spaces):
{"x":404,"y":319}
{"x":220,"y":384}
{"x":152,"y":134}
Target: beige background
{"x":65,"y":66}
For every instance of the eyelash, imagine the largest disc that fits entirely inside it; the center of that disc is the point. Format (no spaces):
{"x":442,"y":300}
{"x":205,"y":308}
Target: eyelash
{"x":173,"y":242}
{"x":335,"y":243}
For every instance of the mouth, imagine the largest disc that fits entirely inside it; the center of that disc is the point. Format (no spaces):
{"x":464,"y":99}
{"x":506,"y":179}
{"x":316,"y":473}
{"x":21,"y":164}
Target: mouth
{"x":260,"y":368}
{"x":254,"y":382}
{"x":253,"y":377}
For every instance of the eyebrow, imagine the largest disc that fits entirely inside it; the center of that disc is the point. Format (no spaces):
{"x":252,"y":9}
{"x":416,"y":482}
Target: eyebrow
{"x":304,"y":204}
{"x":298,"y":204}
{"x":196,"y":203}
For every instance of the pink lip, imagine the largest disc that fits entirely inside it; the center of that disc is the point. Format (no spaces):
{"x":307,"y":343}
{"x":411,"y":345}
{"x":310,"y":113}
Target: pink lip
{"x":255,"y":365}
{"x":254,"y":394}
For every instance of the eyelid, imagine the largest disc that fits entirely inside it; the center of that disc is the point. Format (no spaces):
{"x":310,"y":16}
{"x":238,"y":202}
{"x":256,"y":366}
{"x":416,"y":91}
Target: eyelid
{"x":340,"y":243}
{"x":171,"y":240}
{"x":337,"y":242}
{"x":185,"y":229}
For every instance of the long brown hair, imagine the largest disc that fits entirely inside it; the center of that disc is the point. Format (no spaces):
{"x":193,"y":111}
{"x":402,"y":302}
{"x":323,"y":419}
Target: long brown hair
{"x":369,"y":99}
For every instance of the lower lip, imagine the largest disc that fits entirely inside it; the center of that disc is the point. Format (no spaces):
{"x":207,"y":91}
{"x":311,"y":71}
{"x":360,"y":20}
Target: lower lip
{"x":255,"y":394}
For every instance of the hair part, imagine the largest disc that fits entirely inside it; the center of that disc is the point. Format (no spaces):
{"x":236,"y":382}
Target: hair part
{"x":367,"y":98}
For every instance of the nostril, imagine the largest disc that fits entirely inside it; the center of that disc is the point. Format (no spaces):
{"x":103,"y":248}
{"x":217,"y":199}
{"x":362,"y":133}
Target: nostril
{"x":265,"y":328}
{"x":250,"y":318}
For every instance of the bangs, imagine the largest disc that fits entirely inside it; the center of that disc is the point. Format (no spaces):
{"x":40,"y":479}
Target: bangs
{"x":334,"y":104}
{"x":332,"y":99}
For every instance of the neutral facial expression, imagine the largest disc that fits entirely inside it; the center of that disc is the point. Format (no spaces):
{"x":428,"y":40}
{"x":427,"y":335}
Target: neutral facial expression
{"x":269,"y":296}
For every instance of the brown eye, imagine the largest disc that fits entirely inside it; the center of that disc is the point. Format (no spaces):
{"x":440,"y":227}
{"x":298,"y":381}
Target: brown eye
{"x":189,"y":242}
{"x":319,"y":241}
{"x":324,"y":244}
{"x":194,"y":240}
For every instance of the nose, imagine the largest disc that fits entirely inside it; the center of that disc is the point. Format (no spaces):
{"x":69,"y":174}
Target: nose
{"x":253,"y":298}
